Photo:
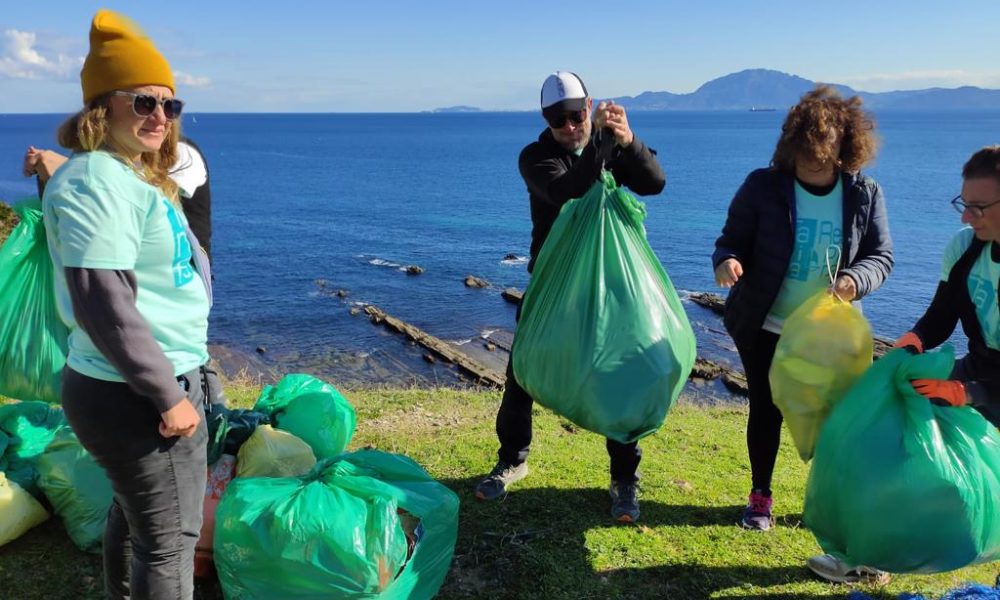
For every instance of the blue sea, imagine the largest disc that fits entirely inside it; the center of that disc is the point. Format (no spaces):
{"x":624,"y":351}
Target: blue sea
{"x":309,"y":204}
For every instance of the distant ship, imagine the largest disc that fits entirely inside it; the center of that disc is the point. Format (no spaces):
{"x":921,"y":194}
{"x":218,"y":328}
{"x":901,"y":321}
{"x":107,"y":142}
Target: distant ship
{"x":762,"y":109}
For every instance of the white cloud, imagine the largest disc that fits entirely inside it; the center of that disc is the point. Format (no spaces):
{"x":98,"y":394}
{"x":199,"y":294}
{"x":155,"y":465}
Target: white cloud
{"x":913,"y":80}
{"x":19,"y":59}
{"x":189,"y":80}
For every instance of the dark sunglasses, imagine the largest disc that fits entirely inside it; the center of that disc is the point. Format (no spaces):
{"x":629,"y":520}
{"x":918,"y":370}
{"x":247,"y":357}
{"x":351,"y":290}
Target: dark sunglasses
{"x":577,"y":117}
{"x":976,"y":210}
{"x":144,"y":105}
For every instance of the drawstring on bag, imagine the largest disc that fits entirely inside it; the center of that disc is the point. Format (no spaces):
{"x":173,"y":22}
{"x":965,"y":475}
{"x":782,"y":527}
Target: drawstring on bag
{"x":830,"y":271}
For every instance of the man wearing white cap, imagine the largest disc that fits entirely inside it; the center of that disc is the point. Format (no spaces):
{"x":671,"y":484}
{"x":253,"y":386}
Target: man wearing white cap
{"x":563,"y":164}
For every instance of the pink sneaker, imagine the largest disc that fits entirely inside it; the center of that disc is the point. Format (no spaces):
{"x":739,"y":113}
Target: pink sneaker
{"x":757,"y":514}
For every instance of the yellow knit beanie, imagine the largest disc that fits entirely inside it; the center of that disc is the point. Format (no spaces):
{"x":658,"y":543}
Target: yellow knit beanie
{"x":121,"y":56}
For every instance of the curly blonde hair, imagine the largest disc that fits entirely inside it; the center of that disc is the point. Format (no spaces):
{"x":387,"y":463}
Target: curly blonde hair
{"x":87,"y":131}
{"x":815,"y":125}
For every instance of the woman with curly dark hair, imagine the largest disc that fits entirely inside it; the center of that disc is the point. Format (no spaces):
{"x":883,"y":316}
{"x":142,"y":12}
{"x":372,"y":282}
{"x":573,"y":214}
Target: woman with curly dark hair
{"x":812,"y":207}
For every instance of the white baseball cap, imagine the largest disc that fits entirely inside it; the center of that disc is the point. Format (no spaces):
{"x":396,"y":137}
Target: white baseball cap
{"x":563,"y":91}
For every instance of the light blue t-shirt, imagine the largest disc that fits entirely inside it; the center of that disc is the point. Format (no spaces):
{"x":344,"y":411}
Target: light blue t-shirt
{"x":818,"y":234}
{"x":983,"y":281}
{"x":99,"y":214}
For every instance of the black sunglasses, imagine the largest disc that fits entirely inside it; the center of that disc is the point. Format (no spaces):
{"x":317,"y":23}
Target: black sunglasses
{"x":558,"y":121}
{"x":976,"y":209}
{"x":144,"y":105}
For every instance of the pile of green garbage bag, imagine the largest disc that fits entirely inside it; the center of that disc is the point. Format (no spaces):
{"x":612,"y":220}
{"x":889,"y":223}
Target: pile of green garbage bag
{"x":28,"y":427}
{"x":337,"y":532}
{"x":43,"y":457}
{"x":312,"y":410}
{"x":77,"y":488}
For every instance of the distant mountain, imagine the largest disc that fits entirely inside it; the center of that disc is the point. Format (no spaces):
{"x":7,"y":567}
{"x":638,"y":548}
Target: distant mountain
{"x":764,"y":88}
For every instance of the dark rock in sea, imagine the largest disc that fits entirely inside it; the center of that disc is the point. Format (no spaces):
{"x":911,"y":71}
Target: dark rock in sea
{"x":261,"y":349}
{"x":476,"y":282}
{"x":429,"y":358}
{"x":342,"y":293}
{"x":414,"y":270}
{"x":511,"y":256}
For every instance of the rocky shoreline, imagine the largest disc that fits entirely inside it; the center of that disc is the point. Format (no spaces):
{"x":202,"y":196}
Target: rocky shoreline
{"x":424,"y":360}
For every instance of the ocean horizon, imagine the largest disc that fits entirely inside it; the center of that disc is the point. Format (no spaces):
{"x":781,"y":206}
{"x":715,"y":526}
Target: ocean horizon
{"x":309,"y":204}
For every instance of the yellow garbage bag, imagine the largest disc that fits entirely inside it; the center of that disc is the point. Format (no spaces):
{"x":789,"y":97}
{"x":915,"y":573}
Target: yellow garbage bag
{"x":19,"y":511}
{"x":270,"y":452}
{"x":825,"y":345}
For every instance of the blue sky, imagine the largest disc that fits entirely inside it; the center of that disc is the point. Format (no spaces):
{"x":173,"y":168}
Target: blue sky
{"x":375,"y":56}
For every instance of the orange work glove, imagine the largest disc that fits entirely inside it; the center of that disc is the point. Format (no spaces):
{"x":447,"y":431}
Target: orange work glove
{"x":910,"y":340}
{"x":943,"y":392}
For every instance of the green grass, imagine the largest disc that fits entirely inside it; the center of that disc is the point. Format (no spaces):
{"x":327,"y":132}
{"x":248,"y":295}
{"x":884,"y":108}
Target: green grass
{"x":552,"y":537}
{"x":7,"y":221}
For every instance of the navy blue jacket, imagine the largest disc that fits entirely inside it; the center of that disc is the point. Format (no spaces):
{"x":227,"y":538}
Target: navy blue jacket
{"x":760,"y":233}
{"x":554,"y":175}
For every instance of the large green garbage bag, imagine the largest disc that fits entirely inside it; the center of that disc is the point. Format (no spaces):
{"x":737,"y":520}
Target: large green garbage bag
{"x":78,"y":489}
{"x":825,"y":345}
{"x":312,"y":410}
{"x":603,"y":339}
{"x":903,"y":485}
{"x":32,"y":336}
{"x":29,"y":427}
{"x":337,"y":532}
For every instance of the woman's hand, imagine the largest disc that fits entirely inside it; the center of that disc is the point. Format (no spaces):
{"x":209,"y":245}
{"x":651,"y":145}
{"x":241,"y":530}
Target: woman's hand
{"x":728,"y":273}
{"x":181,"y":420}
{"x":845,"y":288}
{"x":42,"y":163}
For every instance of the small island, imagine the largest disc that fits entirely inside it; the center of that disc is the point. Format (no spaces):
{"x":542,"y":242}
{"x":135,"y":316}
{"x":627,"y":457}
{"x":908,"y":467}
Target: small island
{"x":457,"y":109}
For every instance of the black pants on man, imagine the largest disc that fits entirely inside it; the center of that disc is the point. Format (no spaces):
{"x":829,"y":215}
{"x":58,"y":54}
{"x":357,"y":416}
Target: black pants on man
{"x":514,"y":431}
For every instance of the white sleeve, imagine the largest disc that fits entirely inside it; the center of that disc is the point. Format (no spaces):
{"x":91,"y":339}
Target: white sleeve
{"x":189,"y":172}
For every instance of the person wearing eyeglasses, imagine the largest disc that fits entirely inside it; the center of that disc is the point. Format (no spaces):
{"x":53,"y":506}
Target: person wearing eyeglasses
{"x":134,"y":288}
{"x":967,"y":292}
{"x":784,"y":222}
{"x":563,"y":164}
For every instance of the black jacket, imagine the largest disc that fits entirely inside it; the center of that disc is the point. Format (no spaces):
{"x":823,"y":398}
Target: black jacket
{"x":555,"y":175}
{"x":760,"y":233}
{"x":952,"y":304}
{"x":198,"y":208}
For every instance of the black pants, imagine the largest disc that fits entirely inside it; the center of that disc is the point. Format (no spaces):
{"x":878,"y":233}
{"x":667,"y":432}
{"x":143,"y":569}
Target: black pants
{"x":514,"y":431}
{"x":982,"y":387}
{"x":158,"y":484}
{"x":764,"y":424}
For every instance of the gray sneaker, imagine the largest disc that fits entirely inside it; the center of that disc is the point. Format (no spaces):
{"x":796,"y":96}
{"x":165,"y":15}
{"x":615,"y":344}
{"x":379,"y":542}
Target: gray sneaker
{"x":624,"y":502}
{"x":503,"y":474}
{"x":832,"y":569}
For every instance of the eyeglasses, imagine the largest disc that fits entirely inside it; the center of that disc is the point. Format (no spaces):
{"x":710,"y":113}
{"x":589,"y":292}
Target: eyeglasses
{"x":976,"y":209}
{"x":577,"y":117}
{"x":144,"y":105}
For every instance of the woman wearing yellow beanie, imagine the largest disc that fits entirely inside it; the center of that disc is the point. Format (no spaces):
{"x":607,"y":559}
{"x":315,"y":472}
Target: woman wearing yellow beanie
{"x":134,"y":289}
